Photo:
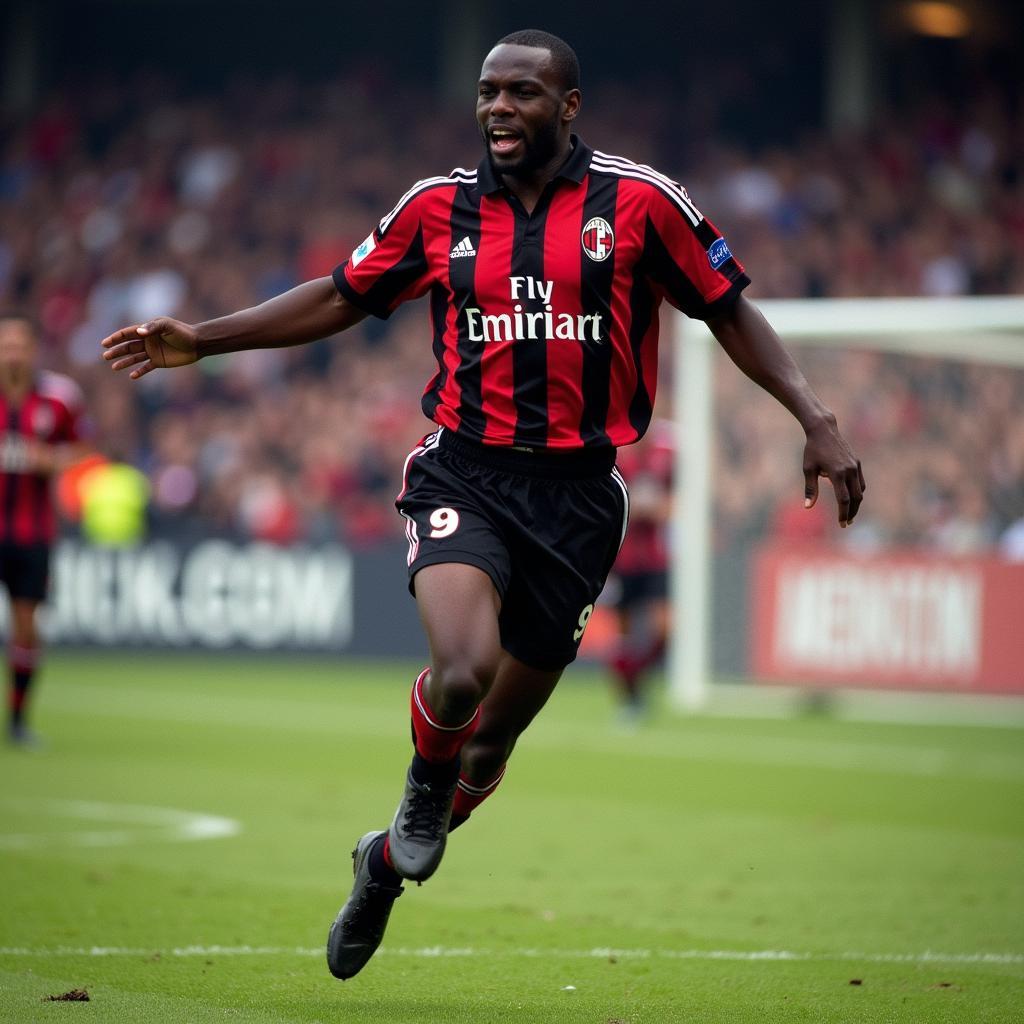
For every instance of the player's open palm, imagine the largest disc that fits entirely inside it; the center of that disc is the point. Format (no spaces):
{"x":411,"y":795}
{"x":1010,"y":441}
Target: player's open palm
{"x":159,"y":344}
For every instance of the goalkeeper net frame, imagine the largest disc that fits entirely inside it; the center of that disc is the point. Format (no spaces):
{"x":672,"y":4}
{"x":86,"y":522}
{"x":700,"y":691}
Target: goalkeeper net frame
{"x":987,"y":330}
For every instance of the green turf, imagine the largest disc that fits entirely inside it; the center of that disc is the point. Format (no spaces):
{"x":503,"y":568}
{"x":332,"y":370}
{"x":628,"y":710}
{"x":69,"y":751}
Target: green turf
{"x":638,"y":868}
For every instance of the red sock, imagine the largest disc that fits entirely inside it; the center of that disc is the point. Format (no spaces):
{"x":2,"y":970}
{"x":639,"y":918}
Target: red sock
{"x":652,"y":655}
{"x":436,"y":742}
{"x":626,"y":667}
{"x":387,"y":852}
{"x":468,"y":797}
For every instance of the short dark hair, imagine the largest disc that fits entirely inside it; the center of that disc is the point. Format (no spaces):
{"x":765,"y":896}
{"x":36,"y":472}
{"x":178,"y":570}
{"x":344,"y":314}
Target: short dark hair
{"x":563,"y":57}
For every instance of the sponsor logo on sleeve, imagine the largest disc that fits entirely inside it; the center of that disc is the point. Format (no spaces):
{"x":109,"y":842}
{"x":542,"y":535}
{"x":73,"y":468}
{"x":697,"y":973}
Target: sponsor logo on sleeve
{"x":718,"y":253}
{"x":363,"y":250}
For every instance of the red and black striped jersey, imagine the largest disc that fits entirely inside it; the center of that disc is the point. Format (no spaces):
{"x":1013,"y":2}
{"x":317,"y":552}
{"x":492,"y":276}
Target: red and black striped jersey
{"x":49,"y":414}
{"x":545,"y":324}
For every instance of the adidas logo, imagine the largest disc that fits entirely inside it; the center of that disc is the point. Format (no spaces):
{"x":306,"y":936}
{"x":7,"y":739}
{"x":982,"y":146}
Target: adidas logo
{"x":464,"y":248}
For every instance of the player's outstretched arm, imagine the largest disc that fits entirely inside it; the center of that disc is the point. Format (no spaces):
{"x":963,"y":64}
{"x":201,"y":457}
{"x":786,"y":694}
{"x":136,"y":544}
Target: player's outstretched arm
{"x":312,"y":310}
{"x":755,"y":348}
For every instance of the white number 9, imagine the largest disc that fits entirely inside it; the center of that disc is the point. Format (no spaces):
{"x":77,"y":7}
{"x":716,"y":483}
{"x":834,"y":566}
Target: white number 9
{"x":583,"y":620}
{"x":445,"y":521}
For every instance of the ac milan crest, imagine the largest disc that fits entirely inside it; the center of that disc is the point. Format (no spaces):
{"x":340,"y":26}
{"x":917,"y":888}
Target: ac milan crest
{"x":598,"y":239}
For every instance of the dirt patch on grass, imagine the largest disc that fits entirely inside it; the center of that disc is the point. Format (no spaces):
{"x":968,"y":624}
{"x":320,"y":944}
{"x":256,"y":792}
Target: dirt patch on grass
{"x":76,"y":995}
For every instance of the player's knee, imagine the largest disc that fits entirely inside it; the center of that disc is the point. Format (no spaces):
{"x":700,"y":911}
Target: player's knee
{"x":23,"y":623}
{"x":456,"y":689}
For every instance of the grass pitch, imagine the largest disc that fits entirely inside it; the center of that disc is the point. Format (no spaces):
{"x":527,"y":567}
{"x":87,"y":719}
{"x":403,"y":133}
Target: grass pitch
{"x":181,"y":846}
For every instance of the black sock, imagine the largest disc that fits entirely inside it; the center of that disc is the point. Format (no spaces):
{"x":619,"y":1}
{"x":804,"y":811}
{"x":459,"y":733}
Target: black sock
{"x":20,"y":683}
{"x":378,"y":866}
{"x":432,"y":773}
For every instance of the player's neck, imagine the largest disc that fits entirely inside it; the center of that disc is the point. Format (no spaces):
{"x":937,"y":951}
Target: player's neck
{"x":528,"y":188}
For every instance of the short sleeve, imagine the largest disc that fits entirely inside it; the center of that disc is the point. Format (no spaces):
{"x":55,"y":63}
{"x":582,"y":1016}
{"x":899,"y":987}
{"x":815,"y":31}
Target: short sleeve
{"x":69,"y":405}
{"x":390,"y":266}
{"x":688,"y":258}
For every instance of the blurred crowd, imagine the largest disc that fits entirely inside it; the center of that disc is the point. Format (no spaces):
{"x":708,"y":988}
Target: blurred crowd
{"x":120,"y":203}
{"x":942,"y":443}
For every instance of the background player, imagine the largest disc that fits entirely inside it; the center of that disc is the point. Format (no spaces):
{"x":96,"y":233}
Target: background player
{"x":40,"y":412}
{"x":640,"y":578}
{"x":513,"y":506}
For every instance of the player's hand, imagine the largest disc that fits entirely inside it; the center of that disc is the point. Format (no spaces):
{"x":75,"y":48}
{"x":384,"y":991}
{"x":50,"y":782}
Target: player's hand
{"x":827,"y":454}
{"x":162,"y":344}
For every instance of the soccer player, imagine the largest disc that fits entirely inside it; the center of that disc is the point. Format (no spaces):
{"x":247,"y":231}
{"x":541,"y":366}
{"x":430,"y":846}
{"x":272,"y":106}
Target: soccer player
{"x":641,"y":568}
{"x":545,"y":267}
{"x":41,"y":421}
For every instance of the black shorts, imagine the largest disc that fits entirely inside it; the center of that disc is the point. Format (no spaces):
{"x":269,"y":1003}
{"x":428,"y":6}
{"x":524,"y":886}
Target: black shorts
{"x":545,"y":527}
{"x":25,"y":570}
{"x":638,"y":588}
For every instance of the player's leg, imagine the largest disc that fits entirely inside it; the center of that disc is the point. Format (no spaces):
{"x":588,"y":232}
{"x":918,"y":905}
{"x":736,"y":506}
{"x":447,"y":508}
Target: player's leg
{"x":23,"y":657}
{"x":24,"y":570}
{"x":660,"y":613}
{"x":516,"y":696}
{"x":642,"y":644}
{"x":564,"y":544}
{"x":621,"y":660}
{"x":656,"y":615}
{"x":458,"y":565}
{"x":459,"y":606}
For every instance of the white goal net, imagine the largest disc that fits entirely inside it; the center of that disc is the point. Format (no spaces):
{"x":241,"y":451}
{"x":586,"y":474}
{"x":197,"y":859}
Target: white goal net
{"x":921,"y":593}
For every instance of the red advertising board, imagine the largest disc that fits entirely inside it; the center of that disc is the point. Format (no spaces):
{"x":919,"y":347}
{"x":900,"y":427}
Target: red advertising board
{"x":900,"y":620}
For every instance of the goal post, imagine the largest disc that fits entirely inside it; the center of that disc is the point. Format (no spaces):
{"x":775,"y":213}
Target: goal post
{"x":975,"y":330}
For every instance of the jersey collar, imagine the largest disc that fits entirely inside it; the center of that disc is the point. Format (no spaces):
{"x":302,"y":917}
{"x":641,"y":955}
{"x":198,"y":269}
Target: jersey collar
{"x":574,"y":169}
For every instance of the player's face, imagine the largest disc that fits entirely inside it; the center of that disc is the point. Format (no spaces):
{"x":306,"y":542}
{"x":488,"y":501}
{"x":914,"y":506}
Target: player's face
{"x":523,"y":112}
{"x":17,"y":348}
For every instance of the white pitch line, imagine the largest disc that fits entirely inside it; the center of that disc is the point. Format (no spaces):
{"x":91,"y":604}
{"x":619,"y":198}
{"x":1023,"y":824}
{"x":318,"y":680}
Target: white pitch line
{"x":596,"y":953}
{"x":147,"y":824}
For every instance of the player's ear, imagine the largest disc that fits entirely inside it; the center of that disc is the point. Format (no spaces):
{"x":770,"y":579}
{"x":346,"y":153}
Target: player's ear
{"x":571,"y":103}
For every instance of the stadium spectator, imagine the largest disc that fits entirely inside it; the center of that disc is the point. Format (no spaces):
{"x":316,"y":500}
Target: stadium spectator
{"x":95,"y":228}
